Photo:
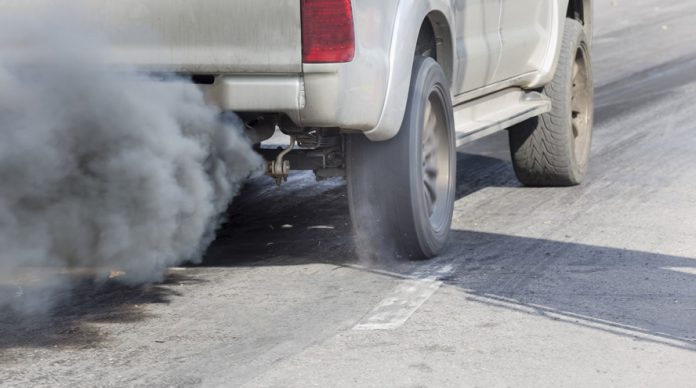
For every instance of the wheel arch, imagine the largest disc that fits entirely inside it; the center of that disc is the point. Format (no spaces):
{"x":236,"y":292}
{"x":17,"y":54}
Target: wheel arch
{"x":436,"y":35}
{"x":581,"y":10}
{"x":438,"y":16}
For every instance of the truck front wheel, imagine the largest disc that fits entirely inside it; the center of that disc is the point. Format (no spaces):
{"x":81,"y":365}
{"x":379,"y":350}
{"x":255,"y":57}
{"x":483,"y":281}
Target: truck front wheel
{"x":554,"y":149}
{"x":401,"y":191}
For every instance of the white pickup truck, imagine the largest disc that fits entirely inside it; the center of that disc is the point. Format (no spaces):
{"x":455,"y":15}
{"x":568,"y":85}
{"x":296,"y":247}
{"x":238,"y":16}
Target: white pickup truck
{"x":379,"y":91}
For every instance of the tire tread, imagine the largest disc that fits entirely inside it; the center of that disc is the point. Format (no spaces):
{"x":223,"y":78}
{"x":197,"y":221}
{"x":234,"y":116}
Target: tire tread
{"x":541,"y":147}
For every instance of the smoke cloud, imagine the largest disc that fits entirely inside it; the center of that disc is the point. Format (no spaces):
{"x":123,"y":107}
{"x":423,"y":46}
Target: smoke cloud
{"x":104,"y":169}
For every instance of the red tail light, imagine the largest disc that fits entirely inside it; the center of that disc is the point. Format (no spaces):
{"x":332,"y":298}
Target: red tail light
{"x":327,"y":31}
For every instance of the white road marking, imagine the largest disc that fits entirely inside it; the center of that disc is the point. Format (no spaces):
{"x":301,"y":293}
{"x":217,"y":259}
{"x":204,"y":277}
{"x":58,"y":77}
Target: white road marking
{"x":394,"y":310}
{"x":686,"y":270}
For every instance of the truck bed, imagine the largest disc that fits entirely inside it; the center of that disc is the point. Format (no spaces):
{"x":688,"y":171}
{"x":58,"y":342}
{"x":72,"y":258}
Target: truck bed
{"x":196,"y":36}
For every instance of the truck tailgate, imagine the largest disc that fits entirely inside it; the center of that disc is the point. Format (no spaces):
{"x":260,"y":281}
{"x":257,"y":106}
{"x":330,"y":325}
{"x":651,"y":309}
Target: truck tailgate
{"x":197,"y":36}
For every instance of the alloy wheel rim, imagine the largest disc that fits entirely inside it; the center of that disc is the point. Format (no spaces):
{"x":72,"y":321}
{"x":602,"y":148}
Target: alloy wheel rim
{"x":435,"y":162}
{"x":581,"y":99}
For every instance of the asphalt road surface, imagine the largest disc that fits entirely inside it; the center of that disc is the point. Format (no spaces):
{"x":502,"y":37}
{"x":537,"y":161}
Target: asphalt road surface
{"x":586,"y":286}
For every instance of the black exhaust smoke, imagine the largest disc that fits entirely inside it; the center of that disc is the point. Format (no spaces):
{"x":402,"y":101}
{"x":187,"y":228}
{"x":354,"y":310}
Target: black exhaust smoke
{"x":104,"y":169}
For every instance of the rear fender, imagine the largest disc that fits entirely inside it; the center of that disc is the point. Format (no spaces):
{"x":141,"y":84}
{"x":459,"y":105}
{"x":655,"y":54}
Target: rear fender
{"x":410,"y":16}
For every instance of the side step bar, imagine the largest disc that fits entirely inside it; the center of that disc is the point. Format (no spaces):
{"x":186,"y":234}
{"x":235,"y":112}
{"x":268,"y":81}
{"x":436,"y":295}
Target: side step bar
{"x":487,"y":115}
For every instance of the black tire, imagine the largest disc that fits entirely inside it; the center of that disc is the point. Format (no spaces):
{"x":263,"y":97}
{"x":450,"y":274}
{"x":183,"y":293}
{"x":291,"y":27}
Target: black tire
{"x":554,"y":149}
{"x":390,"y":203}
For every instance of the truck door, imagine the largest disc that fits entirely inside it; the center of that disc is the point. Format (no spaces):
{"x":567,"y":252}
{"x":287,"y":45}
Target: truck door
{"x":525,"y":31}
{"x":477,"y":42}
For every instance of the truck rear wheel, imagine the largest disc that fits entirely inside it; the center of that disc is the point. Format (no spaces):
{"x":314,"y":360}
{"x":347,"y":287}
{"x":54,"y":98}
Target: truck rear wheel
{"x":401,"y":191}
{"x":554,"y":149}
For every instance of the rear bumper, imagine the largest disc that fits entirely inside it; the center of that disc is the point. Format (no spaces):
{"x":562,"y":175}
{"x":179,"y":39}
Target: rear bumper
{"x":254,"y":93}
{"x":331,"y":95}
